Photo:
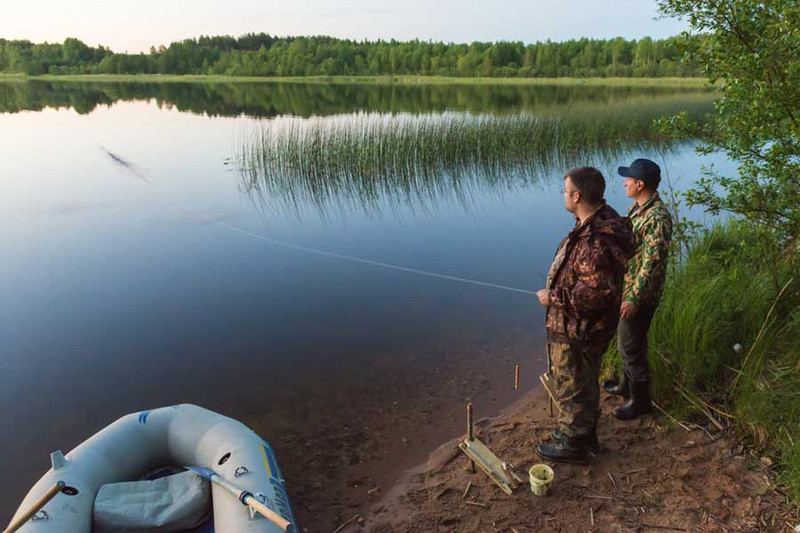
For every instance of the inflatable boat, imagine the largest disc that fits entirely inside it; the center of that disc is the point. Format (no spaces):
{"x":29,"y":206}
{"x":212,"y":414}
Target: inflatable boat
{"x":107,"y":482}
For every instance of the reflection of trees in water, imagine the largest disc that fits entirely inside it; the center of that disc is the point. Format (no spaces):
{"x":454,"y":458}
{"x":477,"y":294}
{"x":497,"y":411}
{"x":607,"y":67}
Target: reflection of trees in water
{"x":397,"y":145}
{"x":16,"y":96}
{"x":307,"y":99}
{"x":379,"y":162}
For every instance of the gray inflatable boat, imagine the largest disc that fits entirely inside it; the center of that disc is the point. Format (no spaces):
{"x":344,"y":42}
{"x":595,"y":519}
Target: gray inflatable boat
{"x":99,"y":491}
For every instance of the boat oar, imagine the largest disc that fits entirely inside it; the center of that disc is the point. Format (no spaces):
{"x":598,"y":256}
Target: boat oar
{"x":243,"y":496}
{"x":35,"y":508}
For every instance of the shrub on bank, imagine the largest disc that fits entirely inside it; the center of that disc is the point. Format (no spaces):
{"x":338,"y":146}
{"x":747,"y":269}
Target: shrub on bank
{"x":725,"y":340}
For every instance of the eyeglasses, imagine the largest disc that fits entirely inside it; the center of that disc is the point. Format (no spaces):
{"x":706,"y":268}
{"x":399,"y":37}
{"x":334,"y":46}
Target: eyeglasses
{"x":564,"y":190}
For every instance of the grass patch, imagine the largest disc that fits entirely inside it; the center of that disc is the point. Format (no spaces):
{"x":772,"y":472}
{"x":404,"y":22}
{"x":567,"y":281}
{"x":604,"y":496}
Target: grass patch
{"x":726,"y":338}
{"x":10,"y":77}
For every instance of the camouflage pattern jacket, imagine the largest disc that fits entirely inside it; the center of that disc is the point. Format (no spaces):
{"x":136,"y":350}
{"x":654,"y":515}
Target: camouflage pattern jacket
{"x":652,"y":227}
{"x":585,"y":279}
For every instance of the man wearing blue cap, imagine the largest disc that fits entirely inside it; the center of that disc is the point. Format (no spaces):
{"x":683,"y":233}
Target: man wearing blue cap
{"x":644,"y":281}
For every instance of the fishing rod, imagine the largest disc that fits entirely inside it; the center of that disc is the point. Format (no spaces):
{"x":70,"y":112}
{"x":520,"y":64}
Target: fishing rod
{"x":133,"y":169}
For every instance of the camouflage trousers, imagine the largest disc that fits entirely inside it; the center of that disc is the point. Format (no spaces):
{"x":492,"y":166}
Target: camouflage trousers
{"x":575,"y":375}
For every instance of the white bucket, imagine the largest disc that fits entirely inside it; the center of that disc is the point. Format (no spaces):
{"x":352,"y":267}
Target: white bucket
{"x":541,"y":477}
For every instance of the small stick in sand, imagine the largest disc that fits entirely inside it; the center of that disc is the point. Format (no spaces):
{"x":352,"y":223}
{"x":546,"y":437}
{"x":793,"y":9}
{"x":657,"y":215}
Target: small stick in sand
{"x":597,"y":497}
{"x":516,"y":377}
{"x":470,"y":436}
{"x":653,"y":526}
{"x":338,"y":529}
{"x":674,"y":420}
{"x":466,"y":491}
{"x":704,"y":430}
{"x":477,"y":504}
{"x":613,"y":481}
{"x":591,"y":515}
{"x":549,"y":373}
{"x":629,"y":472}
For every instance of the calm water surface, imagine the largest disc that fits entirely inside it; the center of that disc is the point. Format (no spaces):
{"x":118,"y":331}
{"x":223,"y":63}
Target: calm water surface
{"x":124,"y":290}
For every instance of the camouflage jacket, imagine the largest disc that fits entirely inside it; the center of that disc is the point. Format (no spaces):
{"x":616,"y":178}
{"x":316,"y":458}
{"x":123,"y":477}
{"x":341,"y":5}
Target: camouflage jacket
{"x":585,"y":279}
{"x":652,"y":227}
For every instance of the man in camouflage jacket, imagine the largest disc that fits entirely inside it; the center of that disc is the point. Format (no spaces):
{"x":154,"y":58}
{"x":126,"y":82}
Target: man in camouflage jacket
{"x":582,"y":296}
{"x":644,"y":281}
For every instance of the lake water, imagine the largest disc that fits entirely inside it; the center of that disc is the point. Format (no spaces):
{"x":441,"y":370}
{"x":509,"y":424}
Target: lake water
{"x":140,"y":265}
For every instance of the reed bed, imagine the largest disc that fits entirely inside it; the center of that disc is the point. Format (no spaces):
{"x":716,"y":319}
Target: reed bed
{"x":371,"y":161}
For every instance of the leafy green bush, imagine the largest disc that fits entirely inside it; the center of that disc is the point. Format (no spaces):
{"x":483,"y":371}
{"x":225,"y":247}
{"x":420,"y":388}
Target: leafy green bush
{"x":726,"y":340}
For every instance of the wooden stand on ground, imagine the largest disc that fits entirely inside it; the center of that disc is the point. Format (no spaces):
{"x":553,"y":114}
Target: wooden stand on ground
{"x":499,"y":472}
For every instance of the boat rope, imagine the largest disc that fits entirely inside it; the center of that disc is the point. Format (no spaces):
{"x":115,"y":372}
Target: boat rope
{"x":133,"y":169}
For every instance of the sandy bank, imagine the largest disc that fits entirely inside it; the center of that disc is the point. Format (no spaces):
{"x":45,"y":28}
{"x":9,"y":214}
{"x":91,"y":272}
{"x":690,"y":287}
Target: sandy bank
{"x":651,"y":476}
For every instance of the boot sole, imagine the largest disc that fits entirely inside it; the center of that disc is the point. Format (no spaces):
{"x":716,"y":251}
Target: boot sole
{"x":563,"y":460}
{"x":610,"y":389}
{"x":628,"y":418}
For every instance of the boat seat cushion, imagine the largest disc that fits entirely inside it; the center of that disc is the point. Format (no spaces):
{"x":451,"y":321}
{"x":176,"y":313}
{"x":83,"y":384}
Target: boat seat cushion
{"x":172,"y":503}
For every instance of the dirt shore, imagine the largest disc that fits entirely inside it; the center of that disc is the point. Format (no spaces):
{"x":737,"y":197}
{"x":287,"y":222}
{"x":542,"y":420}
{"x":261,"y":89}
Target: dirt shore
{"x":651,"y":476}
{"x":343,"y":440}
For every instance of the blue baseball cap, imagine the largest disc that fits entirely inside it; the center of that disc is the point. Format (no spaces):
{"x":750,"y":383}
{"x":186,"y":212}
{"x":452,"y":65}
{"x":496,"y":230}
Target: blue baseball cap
{"x":644,"y":170}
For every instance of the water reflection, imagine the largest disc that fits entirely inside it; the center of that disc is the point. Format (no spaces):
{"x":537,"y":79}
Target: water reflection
{"x":392,"y":163}
{"x":309,"y":99}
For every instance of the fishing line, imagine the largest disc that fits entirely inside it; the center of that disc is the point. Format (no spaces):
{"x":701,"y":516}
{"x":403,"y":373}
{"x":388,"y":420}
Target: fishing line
{"x":131,"y":168}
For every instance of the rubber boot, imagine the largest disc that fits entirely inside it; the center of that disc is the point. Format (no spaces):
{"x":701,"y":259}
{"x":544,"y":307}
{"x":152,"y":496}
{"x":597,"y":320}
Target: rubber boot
{"x":618,"y":388}
{"x":568,"y":450}
{"x":592,"y":441}
{"x":638,"y":405}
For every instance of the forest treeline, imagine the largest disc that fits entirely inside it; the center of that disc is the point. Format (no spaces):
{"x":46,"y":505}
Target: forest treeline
{"x":265,"y":55}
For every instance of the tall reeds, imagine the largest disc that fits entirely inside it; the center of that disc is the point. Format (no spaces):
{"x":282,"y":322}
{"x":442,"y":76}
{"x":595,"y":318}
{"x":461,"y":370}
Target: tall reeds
{"x":371,"y":160}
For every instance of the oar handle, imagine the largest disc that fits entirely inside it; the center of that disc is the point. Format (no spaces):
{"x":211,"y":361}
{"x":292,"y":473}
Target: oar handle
{"x":271,"y":515}
{"x":35,"y":508}
{"x":248,"y":499}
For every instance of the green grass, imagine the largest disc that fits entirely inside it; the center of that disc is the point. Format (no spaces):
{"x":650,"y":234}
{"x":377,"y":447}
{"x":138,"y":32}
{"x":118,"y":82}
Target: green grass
{"x":402,"y":80}
{"x":736,"y":285}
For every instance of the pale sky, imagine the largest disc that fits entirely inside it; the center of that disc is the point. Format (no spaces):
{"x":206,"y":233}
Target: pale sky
{"x":135,"y":25}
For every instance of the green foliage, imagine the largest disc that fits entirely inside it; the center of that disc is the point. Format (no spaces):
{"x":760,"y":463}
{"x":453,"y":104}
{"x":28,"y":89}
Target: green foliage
{"x":265,"y":55}
{"x":753,"y":49}
{"x":71,"y":57}
{"x":733,"y":288}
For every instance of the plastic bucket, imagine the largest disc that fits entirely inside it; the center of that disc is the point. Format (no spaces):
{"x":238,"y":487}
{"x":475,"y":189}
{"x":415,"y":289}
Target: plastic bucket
{"x":541,"y":477}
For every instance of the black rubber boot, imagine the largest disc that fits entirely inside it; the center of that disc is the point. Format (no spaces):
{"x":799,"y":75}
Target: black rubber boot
{"x":618,"y":388}
{"x":592,"y":442}
{"x":638,"y":405}
{"x":569,"y":450}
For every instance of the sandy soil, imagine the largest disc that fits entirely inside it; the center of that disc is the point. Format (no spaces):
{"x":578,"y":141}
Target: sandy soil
{"x":651,"y":476}
{"x":357,"y":436}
